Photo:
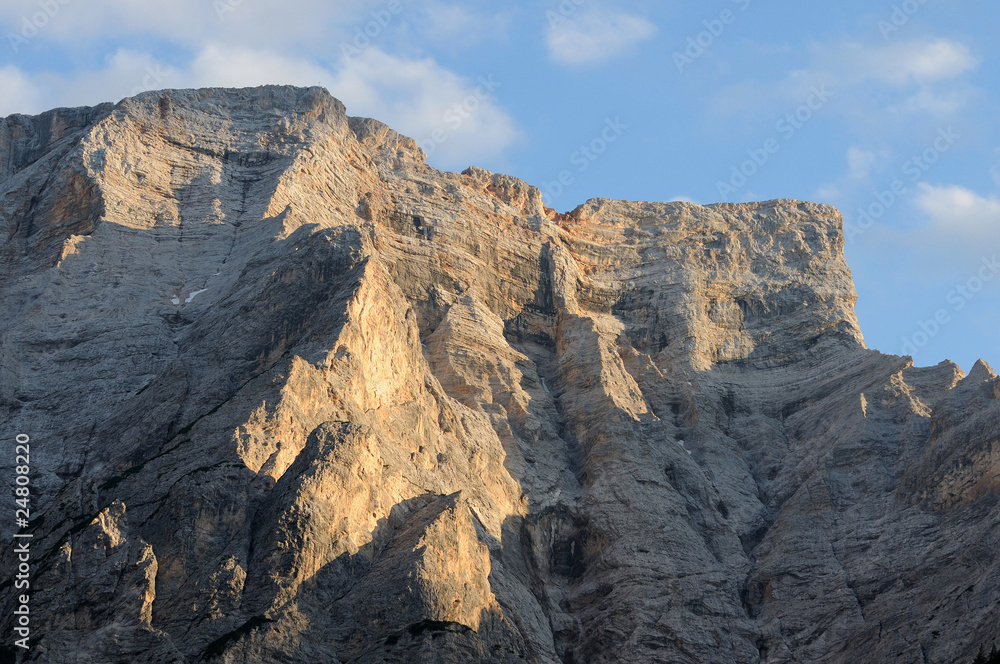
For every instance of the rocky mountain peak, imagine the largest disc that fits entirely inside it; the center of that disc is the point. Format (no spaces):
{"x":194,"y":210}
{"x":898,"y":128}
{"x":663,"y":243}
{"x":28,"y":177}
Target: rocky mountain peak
{"x":296,"y":395}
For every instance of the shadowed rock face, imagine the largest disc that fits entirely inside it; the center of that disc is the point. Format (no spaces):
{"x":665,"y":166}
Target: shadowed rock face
{"x":296,"y":396}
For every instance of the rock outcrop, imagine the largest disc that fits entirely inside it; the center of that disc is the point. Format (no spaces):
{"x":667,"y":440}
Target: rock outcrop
{"x":294,"y":395}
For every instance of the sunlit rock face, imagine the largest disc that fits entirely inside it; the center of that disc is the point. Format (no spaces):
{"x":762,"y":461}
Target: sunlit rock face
{"x":295,"y":396}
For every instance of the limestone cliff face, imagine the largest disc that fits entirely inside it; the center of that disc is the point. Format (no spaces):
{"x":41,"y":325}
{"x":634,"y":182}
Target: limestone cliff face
{"x":296,"y":396}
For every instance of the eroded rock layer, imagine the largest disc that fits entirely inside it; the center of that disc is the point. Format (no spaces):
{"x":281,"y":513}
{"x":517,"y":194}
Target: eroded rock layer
{"x":295,"y":395}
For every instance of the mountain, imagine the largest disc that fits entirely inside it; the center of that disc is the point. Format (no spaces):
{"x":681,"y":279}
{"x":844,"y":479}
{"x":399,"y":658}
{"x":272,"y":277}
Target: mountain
{"x":293,"y":395}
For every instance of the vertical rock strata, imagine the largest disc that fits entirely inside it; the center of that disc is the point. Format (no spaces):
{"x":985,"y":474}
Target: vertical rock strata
{"x":295,"y":395}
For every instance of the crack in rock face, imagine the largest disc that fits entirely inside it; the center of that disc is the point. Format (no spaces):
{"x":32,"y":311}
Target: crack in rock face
{"x":295,"y":395}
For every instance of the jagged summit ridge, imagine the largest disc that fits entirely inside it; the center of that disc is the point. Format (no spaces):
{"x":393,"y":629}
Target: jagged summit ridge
{"x":304,"y":397}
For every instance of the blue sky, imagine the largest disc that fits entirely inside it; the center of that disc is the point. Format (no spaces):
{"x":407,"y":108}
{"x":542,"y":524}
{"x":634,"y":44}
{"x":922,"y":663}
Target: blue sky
{"x":886,"y":109}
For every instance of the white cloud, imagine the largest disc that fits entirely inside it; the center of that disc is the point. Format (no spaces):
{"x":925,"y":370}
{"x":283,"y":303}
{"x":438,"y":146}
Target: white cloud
{"x":457,"y":121}
{"x":301,"y":26}
{"x":593,"y":35}
{"x":870,"y":83}
{"x":960,"y":213}
{"x":227,"y":66}
{"x":235,"y":43}
{"x":276,"y":23}
{"x":126,"y":73}
{"x":860,"y":164}
{"x":20,"y":93}
{"x":72,"y":21}
{"x":933,"y":102}
{"x":900,"y":63}
{"x":955,"y":228}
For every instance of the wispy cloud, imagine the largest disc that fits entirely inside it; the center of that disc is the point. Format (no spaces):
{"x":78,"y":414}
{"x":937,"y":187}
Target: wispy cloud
{"x":20,"y":93}
{"x":235,"y":66}
{"x":125,"y":73}
{"x":296,"y":25}
{"x":459,"y":117}
{"x":861,"y":163}
{"x":594,"y":35}
{"x":960,"y":212}
{"x":920,"y":61}
{"x":456,"y":119}
{"x":455,"y":26}
{"x":905,"y":78}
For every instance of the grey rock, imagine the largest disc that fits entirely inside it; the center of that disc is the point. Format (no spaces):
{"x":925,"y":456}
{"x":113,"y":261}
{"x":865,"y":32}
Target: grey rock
{"x":294,"y":395}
